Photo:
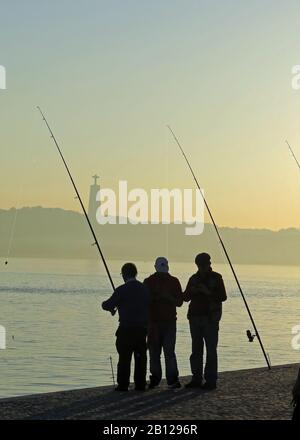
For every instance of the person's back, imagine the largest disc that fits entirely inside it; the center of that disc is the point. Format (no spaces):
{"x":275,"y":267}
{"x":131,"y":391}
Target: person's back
{"x":166,"y":295}
{"x":132,"y":302}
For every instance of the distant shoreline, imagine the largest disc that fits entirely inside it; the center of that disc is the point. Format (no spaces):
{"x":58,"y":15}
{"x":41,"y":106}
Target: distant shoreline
{"x":55,"y":233}
{"x":78,"y":212}
{"x":137,"y":261}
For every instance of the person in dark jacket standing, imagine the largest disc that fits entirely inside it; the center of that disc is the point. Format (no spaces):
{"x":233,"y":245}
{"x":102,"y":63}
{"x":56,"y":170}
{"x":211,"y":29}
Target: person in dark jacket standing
{"x":166,"y":295}
{"x":206,"y":292}
{"x":132,"y":302}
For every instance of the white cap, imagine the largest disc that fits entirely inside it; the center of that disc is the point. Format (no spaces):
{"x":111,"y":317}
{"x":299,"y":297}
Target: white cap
{"x":161,"y":265}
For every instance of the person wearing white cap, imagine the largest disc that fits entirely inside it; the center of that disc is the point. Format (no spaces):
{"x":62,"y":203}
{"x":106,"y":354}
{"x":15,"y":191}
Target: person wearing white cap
{"x":165,"y":296}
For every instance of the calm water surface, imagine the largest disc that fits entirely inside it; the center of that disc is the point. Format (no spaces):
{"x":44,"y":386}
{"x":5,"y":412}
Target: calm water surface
{"x":59,"y":338}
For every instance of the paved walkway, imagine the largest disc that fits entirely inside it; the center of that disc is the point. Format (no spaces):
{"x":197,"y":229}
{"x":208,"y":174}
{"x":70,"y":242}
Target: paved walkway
{"x":244,"y":394}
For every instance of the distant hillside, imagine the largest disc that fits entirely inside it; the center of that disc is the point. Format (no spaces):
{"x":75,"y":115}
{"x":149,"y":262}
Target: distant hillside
{"x":44,"y":232}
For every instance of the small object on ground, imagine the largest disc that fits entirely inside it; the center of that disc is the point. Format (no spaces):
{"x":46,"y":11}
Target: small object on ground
{"x":152,"y":385}
{"x":118,"y":388}
{"x":209,"y":386}
{"x":296,"y":413}
{"x":296,"y":399}
{"x":174,"y":385}
{"x":193,"y":384}
{"x":6,"y":262}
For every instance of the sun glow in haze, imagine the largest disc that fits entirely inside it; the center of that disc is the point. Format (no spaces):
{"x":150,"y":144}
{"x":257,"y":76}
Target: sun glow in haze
{"x":110,"y":76}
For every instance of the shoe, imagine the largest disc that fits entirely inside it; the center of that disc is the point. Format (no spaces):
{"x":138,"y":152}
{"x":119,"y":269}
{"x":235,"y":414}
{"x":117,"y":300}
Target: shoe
{"x":118,"y":388}
{"x":209,"y":386}
{"x":140,"y":388}
{"x":151,"y":386}
{"x":194,"y":384}
{"x":174,"y":385}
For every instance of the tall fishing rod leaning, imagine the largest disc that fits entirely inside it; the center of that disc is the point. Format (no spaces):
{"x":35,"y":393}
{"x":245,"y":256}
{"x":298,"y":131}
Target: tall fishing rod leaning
{"x":79,"y":198}
{"x":293,"y":154}
{"x":224,"y":248}
{"x":112,"y":370}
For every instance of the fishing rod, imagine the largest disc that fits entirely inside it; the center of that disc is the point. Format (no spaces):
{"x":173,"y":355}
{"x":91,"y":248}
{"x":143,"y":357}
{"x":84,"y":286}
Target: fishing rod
{"x":293,"y":154}
{"x":79,"y":198}
{"x":224,"y":249}
{"x":13,"y":227}
{"x":112,"y":370}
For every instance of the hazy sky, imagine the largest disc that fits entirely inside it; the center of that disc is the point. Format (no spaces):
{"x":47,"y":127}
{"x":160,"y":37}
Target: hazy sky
{"x":111,"y":75}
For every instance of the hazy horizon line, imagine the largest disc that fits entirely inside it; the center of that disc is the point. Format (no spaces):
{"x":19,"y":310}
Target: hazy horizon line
{"x":266,"y":228}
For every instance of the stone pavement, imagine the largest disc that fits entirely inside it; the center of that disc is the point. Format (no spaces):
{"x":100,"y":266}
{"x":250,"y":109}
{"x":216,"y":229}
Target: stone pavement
{"x":241,"y":395}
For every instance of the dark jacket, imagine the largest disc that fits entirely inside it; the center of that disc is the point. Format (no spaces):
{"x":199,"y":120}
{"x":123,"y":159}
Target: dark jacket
{"x":202,"y":304}
{"x":166,"y":295}
{"x":132,"y":300}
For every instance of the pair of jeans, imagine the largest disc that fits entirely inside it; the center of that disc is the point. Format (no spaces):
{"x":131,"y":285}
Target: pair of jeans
{"x":132,"y":341}
{"x":204,"y":330}
{"x":162,"y":336}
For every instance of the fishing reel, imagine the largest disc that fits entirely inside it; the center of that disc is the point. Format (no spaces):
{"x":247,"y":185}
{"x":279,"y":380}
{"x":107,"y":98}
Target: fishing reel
{"x":250,"y":336}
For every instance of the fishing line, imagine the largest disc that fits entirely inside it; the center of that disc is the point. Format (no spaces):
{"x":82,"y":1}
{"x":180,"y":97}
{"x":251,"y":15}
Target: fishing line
{"x":167,"y":185}
{"x":224,"y":249}
{"x":13,"y":226}
{"x":79,"y":199}
{"x":112,"y":370}
{"x":293,"y":154}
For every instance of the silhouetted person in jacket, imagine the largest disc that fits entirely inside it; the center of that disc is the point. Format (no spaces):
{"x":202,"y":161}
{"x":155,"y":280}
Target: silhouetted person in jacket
{"x":132,"y":302}
{"x":166,"y":295}
{"x":206,"y":292}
